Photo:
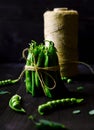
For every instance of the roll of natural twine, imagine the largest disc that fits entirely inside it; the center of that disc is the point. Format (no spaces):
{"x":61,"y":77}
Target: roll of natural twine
{"x":61,"y":27}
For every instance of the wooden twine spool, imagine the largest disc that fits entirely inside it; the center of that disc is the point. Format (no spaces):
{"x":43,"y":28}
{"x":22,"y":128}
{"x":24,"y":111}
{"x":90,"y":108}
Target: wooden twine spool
{"x":61,"y":27}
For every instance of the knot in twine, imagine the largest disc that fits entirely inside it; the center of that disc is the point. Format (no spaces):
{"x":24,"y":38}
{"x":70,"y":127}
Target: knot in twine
{"x":40,"y":70}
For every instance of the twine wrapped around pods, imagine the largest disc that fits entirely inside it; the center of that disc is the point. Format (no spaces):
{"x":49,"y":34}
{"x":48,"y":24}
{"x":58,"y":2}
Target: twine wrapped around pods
{"x":40,"y":71}
{"x":61,"y":27}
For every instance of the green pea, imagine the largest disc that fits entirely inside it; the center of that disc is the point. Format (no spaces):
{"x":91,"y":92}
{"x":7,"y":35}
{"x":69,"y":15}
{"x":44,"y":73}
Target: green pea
{"x":64,"y":78}
{"x":68,"y":100}
{"x":69,"y":81}
{"x":76,"y":112}
{"x":16,"y":104}
{"x":58,"y":101}
{"x":62,"y":100}
{"x":80,"y":88}
{"x":91,"y":112}
{"x":13,"y":100}
{"x":49,"y":103}
{"x":73,"y":100}
{"x":2,"y":82}
{"x":53,"y":103}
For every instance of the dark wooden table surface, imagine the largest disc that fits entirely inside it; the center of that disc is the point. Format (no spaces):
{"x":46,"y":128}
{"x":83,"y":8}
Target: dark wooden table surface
{"x":11,"y":120}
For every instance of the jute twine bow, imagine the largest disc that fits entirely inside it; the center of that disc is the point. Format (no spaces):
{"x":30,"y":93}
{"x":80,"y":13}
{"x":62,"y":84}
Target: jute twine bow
{"x":39,"y":71}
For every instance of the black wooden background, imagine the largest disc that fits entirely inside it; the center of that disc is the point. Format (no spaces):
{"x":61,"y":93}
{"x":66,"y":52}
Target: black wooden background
{"x":22,"y":21}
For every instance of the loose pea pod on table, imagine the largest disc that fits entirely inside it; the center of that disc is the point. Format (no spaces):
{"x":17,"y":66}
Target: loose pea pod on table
{"x":43,"y":124}
{"x":8,"y":81}
{"x":4,"y":92}
{"x":49,"y":125}
{"x":51,"y":105}
{"x":15,"y":103}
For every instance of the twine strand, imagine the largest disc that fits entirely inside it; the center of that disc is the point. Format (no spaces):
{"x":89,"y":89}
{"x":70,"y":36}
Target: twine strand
{"x":80,"y":62}
{"x":35,"y":67}
{"x":23,"y":53}
{"x":87,"y":65}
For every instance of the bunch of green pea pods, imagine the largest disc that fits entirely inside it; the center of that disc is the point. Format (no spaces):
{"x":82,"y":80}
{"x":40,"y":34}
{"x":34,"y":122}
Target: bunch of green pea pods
{"x":44,"y":62}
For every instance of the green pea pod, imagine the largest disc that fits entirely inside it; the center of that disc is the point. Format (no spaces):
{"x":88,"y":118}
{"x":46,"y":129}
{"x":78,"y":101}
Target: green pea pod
{"x":46,"y":79}
{"x":8,"y":81}
{"x":54,"y":61}
{"x":48,"y":106}
{"x":33,"y":52}
{"x":53,"y":54}
{"x":43,"y":124}
{"x":47,"y":92}
{"x":15,"y":103}
{"x":39,"y":63}
{"x":49,"y":125}
{"x":46,"y":64}
{"x":28,"y":74}
{"x":33,"y":83}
